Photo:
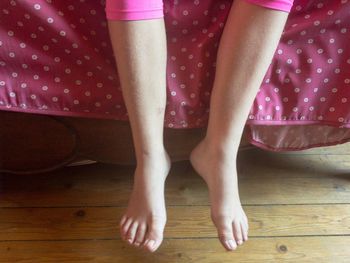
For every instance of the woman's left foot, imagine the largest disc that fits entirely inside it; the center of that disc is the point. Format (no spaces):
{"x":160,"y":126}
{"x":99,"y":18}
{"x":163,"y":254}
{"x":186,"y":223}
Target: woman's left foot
{"x":218,"y":169}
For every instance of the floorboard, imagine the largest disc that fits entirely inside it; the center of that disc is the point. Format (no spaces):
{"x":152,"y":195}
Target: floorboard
{"x":297,"y":203}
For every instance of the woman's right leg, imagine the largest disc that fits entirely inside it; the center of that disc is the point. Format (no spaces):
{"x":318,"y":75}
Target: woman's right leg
{"x":140,"y":53}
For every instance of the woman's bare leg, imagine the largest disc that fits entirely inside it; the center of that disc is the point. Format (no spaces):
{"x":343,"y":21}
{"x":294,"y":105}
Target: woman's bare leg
{"x":246,"y":48}
{"x":140,"y":52}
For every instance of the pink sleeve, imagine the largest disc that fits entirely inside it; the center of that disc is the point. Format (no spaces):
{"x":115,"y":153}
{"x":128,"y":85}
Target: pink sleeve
{"x":283,"y":5}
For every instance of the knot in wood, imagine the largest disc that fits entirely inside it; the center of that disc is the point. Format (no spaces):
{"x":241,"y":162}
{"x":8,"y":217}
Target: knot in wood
{"x":80,"y":213}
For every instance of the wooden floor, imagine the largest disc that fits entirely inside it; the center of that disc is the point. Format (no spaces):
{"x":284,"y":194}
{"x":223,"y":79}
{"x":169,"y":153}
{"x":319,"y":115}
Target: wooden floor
{"x":298,"y":205}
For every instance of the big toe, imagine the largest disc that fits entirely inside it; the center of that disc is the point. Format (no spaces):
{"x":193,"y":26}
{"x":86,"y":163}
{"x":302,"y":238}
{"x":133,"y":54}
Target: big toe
{"x":225,"y":233}
{"x":154,"y":236}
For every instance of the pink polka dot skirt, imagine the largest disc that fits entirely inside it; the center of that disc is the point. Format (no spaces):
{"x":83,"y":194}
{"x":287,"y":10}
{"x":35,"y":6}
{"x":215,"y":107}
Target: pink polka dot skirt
{"x":56,"y":59}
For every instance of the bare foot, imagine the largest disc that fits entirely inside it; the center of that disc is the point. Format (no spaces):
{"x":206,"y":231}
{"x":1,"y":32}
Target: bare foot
{"x":143,"y":223}
{"x":218,"y":169}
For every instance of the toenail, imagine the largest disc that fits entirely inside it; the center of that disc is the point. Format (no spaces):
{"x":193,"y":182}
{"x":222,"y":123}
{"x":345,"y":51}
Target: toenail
{"x":239,"y":242}
{"x":231,"y":244}
{"x":130,"y":240}
{"x":137,"y":243}
{"x":151,"y":244}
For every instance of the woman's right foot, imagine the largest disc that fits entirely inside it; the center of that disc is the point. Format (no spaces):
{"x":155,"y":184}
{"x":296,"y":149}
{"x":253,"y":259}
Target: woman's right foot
{"x":143,"y":223}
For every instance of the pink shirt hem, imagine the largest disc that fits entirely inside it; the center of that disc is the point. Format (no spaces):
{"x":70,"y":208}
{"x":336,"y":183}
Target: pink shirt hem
{"x":282,"y":5}
{"x":134,"y":14}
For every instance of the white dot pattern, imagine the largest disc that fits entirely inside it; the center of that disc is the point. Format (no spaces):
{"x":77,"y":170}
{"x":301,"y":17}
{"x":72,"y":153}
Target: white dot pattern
{"x":61,"y":63}
{"x":317,"y":81}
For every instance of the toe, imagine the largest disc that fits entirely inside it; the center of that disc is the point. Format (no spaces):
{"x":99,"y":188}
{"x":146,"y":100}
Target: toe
{"x":130,"y":236}
{"x":244,"y":227}
{"x":245,"y":221}
{"x":125,"y":227}
{"x":225,"y":234}
{"x":140,"y":234}
{"x":237,"y":232}
{"x":151,"y":245}
{"x":123,"y":220}
{"x":154,"y":236}
{"x":227,"y":240}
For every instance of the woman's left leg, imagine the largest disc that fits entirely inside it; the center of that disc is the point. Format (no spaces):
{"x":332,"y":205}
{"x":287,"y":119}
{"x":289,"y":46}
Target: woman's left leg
{"x":250,"y":37}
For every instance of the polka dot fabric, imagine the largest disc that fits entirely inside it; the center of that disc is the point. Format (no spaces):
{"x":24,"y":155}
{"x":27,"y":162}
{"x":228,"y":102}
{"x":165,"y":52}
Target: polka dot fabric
{"x":308,"y":81}
{"x":56,"y":58}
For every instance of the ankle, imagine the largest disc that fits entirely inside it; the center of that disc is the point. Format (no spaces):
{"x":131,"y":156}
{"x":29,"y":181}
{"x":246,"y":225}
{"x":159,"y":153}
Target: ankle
{"x":220,"y":147}
{"x":154,"y":160}
{"x":150,"y":152}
